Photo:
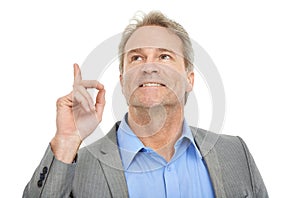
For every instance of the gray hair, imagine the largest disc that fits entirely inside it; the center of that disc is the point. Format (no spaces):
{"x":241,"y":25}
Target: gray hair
{"x":158,"y":19}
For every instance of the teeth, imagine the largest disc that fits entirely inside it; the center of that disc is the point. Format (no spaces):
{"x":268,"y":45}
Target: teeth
{"x":151,"y":85}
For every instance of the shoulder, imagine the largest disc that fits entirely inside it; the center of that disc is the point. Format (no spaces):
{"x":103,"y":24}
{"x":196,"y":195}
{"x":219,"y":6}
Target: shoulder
{"x":227,"y":150}
{"x":220,"y":143}
{"x":229,"y":159}
{"x":201,"y":133}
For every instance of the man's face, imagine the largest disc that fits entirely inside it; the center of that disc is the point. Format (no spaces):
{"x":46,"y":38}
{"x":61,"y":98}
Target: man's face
{"x":154,"y":71}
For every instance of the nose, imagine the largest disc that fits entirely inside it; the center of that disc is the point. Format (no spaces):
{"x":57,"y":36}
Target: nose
{"x":150,"y":68}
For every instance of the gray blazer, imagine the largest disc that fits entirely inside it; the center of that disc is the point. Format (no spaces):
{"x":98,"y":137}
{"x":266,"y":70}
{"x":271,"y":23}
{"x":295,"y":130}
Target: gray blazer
{"x":98,"y":171}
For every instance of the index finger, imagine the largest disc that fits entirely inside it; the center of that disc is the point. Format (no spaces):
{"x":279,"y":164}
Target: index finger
{"x":92,"y":84}
{"x":77,"y":73}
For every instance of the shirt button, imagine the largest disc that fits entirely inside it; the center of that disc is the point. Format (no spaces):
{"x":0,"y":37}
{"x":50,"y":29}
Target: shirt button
{"x":168,"y":168}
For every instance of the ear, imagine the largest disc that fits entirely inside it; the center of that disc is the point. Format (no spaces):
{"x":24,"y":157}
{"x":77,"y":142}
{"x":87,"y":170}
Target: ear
{"x":190,"y":81}
{"x":121,"y":80}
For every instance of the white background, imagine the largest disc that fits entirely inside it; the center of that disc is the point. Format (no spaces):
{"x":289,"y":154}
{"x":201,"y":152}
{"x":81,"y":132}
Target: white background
{"x":254,"y":44}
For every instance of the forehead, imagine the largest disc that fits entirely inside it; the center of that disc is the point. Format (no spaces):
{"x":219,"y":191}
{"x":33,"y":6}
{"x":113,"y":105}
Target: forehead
{"x":154,"y":37}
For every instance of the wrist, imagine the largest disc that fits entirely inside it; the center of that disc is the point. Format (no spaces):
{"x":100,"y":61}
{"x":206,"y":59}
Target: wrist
{"x":65,"y":148}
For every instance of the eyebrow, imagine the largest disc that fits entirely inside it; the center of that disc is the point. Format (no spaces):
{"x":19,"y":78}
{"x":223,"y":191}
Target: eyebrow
{"x":139,"y":50}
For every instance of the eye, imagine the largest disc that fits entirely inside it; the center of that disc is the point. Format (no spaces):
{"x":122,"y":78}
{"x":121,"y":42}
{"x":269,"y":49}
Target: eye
{"x":165,"y":57}
{"x":136,"y":58}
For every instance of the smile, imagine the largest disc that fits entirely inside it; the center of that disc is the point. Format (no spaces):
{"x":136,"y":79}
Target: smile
{"x":152,"y":84}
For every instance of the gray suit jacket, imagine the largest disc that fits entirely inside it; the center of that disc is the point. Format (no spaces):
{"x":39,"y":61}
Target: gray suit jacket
{"x":98,"y":171}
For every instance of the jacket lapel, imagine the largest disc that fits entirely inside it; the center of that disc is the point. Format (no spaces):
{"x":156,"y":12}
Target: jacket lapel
{"x":206,"y":141}
{"x":107,"y":152}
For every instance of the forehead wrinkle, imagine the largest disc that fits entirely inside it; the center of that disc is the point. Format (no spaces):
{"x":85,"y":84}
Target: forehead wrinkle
{"x":154,"y":37}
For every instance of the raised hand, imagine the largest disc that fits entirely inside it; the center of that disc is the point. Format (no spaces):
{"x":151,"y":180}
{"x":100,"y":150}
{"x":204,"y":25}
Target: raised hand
{"x":77,"y":117}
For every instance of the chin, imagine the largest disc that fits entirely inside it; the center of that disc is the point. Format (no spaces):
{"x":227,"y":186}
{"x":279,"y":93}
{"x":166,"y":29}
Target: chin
{"x":147,"y":104}
{"x":152,"y":103}
{"x":141,"y":100}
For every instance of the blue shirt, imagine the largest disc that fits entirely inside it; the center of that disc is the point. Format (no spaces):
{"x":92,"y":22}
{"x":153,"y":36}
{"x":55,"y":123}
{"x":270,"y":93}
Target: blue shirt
{"x":149,"y":175}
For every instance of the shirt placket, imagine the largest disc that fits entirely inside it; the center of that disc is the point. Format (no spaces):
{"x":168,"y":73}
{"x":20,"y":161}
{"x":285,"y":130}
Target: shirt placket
{"x":171,"y":181}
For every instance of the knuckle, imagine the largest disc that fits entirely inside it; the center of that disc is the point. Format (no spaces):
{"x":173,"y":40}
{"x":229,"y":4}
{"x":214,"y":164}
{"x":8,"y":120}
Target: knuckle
{"x":83,"y":82}
{"x":96,"y":82}
{"x":75,"y":86}
{"x":60,"y":101}
{"x":77,"y":97}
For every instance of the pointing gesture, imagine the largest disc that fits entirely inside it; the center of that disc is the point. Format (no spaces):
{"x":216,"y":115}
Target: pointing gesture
{"x":77,"y":117}
{"x":83,"y":98}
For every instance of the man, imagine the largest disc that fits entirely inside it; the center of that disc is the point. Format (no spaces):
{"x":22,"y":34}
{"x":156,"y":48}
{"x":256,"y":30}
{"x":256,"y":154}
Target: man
{"x":152,"y":152}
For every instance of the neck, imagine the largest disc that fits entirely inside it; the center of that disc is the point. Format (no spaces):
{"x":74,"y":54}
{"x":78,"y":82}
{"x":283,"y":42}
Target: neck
{"x":158,"y":127}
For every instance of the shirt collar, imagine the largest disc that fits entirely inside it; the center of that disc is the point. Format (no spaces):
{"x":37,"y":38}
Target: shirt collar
{"x":129,"y":144}
{"x":185,"y":140}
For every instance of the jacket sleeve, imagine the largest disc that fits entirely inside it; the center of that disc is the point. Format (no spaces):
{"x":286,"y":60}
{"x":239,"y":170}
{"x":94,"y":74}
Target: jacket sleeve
{"x":52,"y":178}
{"x":258,"y":186}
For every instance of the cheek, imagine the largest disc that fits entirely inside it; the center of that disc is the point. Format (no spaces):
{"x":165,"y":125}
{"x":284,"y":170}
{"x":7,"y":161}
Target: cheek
{"x":177,"y":86}
{"x":126,"y":88}
{"x":128,"y":85}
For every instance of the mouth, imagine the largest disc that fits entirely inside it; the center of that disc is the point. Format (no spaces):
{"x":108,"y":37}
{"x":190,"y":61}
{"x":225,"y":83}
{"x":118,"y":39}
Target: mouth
{"x":152,"y":84}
